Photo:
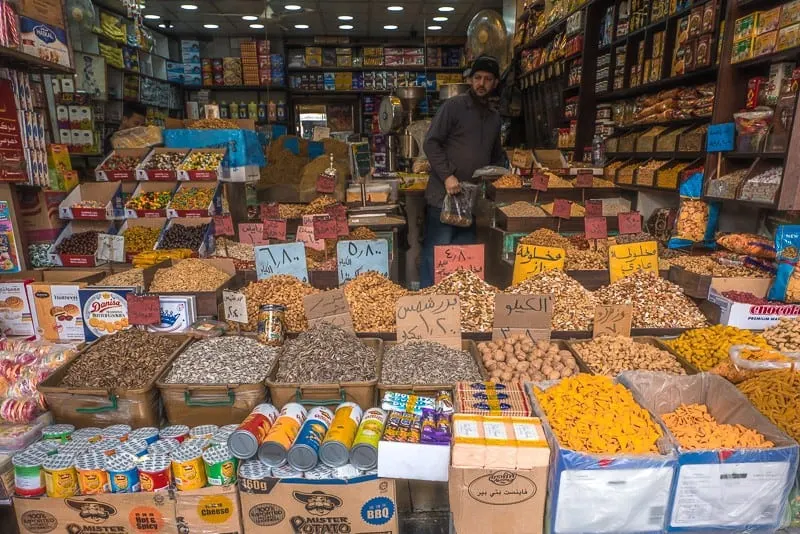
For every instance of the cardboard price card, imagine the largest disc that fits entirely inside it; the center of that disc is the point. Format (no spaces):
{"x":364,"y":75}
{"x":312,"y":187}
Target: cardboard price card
{"x":562,"y":208}
{"x":625,"y":260}
{"x":614,"y":320}
{"x":450,"y":258}
{"x":594,"y":208}
{"x":143,"y":310}
{"x":329,"y":307}
{"x":305,"y":234}
{"x":531,"y":315}
{"x":432,"y":318}
{"x":326,"y":183}
{"x":274,"y":229}
{"x":111,"y":247}
{"x":356,"y":257}
{"x":235,"y":306}
{"x":325,"y":228}
{"x":286,"y":258}
{"x":595,"y":227}
{"x":270,"y":211}
{"x":531,"y":260}
{"x":584,"y":179}
{"x":252,"y":234}
{"x":630,"y":222}
{"x":223,"y":225}
{"x":539,"y":181}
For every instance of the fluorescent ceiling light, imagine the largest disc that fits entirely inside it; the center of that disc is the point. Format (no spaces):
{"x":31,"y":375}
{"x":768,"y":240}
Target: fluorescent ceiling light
{"x":301,"y":26}
{"x":390,"y":27}
{"x":152,"y":17}
{"x":188,"y":7}
{"x":345,"y":17}
{"x":395,"y":8}
{"x":447,"y":9}
{"x":293,"y":7}
{"x":249,"y":17}
{"x":440,"y":19}
{"x":346,"y":27}
{"x":434,"y":28}
{"x":257,"y":26}
{"x":211,"y":26}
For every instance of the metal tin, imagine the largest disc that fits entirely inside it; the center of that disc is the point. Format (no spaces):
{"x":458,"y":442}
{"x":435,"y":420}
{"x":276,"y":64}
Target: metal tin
{"x":123,"y":474}
{"x":271,"y":330}
{"x":73,"y":448}
{"x":90,"y":434}
{"x":335,"y":448}
{"x":163,"y":446}
{"x":286,"y":471}
{"x":134,"y":446}
{"x":201,"y":443}
{"x":176,"y":432}
{"x":59,"y":433}
{"x":220,"y":437}
{"x":281,"y":435}
{"x":147,"y":433}
{"x":228,"y":428}
{"x":254,"y":470}
{"x":92,"y":474}
{"x":154,"y":473}
{"x":203,"y":431}
{"x":188,"y":468}
{"x":244,"y":441}
{"x":60,"y":477}
{"x":364,"y":453}
{"x":107,"y":446}
{"x":304,"y":454}
{"x":120,"y":432}
{"x":320,"y":472}
{"x":45,"y":447}
{"x":28,"y":473}
{"x":220,"y":466}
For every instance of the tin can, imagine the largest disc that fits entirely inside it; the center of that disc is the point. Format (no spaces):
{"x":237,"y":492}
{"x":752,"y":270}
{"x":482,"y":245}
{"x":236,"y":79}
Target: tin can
{"x":91,"y":434}
{"x":254,"y":470}
{"x":286,"y":471}
{"x":73,"y":448}
{"x":163,"y":446}
{"x":335,"y":448}
{"x":244,"y":441}
{"x":59,"y":433}
{"x":44,"y":447}
{"x":270,"y":324}
{"x":320,"y":472}
{"x":123,"y":474}
{"x":148,"y":433}
{"x":220,"y":466}
{"x":364,"y":453}
{"x":228,"y":428}
{"x":304,"y":454}
{"x":120,"y":432}
{"x":60,"y":477}
{"x":92,"y":474}
{"x":136,"y":447}
{"x":203,"y":431}
{"x":28,"y":473}
{"x":154,"y":473}
{"x":201,"y":443}
{"x":107,"y":446}
{"x":220,"y":437}
{"x":281,"y":436}
{"x":176,"y":432}
{"x":188,"y":468}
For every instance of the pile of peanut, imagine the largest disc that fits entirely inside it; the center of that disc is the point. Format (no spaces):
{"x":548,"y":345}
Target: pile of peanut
{"x":784,"y":336}
{"x":373,"y":301}
{"x":280,"y":289}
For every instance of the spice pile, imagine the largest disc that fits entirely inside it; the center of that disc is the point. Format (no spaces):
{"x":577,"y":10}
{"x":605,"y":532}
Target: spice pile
{"x":611,"y":355}
{"x":190,"y":274}
{"x":214,"y":124}
{"x":696,"y":429}
{"x":326,"y":354}
{"x":785,"y":335}
{"x":182,"y":236}
{"x":520,"y":358}
{"x":426,"y":362}
{"x":223,"y":360}
{"x":128,"y":359}
{"x":593,"y":414}
{"x":657,"y":303}
{"x":575,"y":209}
{"x":140,"y":238}
{"x":573,"y":304}
{"x":281,"y":289}
{"x":705,"y":348}
{"x":776,"y":394}
{"x":130,"y":278}
{"x":476,"y":298}
{"x":81,"y":243}
{"x":372,"y":299}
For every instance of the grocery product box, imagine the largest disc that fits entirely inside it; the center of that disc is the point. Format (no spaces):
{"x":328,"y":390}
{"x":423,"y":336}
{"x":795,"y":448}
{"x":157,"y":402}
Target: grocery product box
{"x":750,"y":316}
{"x":104,"y":311}
{"x":38,"y":213}
{"x":214,"y":207}
{"x":363,"y":504}
{"x":149,"y":187}
{"x":164,"y":175}
{"x":105,"y":173}
{"x":16,"y":317}
{"x":207,"y":510}
{"x":699,"y":285}
{"x":79,"y":260}
{"x":207,"y":246}
{"x":94,"y":201}
{"x":204,"y":174}
{"x":741,"y":490}
{"x":243,"y":173}
{"x":414,"y":461}
{"x":44,"y":41}
{"x":178,"y":313}
{"x":56,"y":304}
{"x":206,"y":302}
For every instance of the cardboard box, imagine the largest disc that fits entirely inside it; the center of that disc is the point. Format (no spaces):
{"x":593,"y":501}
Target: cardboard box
{"x":414,"y":461}
{"x":489,"y":501}
{"x":104,"y":311}
{"x":38,"y":213}
{"x":44,"y":41}
{"x":149,"y":187}
{"x":207,"y":302}
{"x":207,"y":246}
{"x":214,"y":207}
{"x":246,"y":173}
{"x":142,"y":173}
{"x":76,"y":260}
{"x":16,"y":318}
{"x":148,"y":222}
{"x":750,"y":316}
{"x":102,"y":174}
{"x":360,"y":505}
{"x":207,"y":510}
{"x":107,"y":194}
{"x":56,"y":304}
{"x":213,"y":174}
{"x":699,"y":285}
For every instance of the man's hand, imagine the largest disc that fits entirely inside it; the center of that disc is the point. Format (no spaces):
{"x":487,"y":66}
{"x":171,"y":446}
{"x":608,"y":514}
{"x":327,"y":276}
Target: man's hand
{"x":452,"y":185}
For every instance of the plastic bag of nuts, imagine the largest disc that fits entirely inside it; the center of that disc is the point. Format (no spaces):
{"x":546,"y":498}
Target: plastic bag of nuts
{"x":457,"y":209}
{"x":695,"y":219}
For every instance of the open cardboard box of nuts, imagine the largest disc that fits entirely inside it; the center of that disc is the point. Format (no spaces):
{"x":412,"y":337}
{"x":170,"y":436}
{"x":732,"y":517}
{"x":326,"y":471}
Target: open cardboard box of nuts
{"x":578,"y":350}
{"x":208,"y":302}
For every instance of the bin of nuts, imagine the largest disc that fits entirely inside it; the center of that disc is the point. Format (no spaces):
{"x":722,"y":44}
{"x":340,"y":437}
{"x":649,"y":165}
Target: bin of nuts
{"x":205,"y":279}
{"x":193,"y":201}
{"x":612,"y":355}
{"x":521,"y":358}
{"x":784,"y":336}
{"x":705,"y":348}
{"x":476,"y":296}
{"x":202,"y":164}
{"x":281,"y":289}
{"x":427,"y":366}
{"x":573,"y":305}
{"x":373,"y":301}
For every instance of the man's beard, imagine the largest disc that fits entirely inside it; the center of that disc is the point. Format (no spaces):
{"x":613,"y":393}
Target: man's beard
{"x":481,"y":99}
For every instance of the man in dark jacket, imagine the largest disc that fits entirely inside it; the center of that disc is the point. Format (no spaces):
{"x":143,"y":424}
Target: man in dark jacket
{"x":464,"y":136}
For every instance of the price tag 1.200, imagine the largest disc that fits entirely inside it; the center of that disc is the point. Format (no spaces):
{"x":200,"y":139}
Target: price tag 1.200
{"x":235,"y":306}
{"x":431,"y":317}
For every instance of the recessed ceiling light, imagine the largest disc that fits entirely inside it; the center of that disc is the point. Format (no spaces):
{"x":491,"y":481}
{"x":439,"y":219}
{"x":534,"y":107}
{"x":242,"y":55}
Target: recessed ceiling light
{"x":257,"y":26}
{"x":440,"y":19}
{"x":301,"y":26}
{"x":152,"y":17}
{"x":211,"y":26}
{"x":395,"y":8}
{"x":434,"y":28}
{"x":142,"y":6}
{"x":345,"y":17}
{"x":346,"y":27}
{"x":162,"y":25}
{"x":293,"y":7}
{"x":188,"y":7}
{"x":390,"y":27}
{"x":249,"y":17}
{"x":447,"y":9}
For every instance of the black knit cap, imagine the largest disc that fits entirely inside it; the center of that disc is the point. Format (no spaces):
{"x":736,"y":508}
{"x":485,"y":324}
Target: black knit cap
{"x":486,"y":64}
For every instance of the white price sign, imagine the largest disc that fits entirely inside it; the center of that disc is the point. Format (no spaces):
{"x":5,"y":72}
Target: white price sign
{"x":111,"y":247}
{"x":235,"y":305}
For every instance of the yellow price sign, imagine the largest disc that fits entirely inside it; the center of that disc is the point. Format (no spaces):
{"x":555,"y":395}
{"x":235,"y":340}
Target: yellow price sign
{"x":625,"y":260}
{"x":531,"y":260}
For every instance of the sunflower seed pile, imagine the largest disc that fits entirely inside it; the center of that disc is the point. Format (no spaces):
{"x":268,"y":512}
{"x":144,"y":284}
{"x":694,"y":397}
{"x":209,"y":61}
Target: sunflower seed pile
{"x":223,"y":360}
{"x":426,"y":362}
{"x":326,"y":354}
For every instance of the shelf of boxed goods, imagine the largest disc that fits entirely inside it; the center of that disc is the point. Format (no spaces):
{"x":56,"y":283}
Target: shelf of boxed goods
{"x":11,"y":57}
{"x":370,"y":68}
{"x":690,"y":78}
{"x":236,"y":88}
{"x":686,"y":156}
{"x":551,"y":30}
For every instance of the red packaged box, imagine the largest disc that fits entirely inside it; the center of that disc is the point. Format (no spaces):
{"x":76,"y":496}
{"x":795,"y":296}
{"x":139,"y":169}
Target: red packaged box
{"x":755,"y":89}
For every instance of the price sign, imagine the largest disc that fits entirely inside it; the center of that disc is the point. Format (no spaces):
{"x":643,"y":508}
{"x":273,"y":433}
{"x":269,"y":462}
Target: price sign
{"x":223,"y":225}
{"x":339,"y":213}
{"x":305,"y":234}
{"x":522,"y":159}
{"x":625,"y":260}
{"x":432,"y":318}
{"x":531,"y":260}
{"x":630,"y":222}
{"x":235,"y":306}
{"x":595,"y":227}
{"x":356,"y":257}
{"x":584,"y":179}
{"x":326,"y":183}
{"x":286,"y":258}
{"x":325,"y":228}
{"x":320,"y":132}
{"x":531,"y":315}
{"x":329,"y":307}
{"x":613,"y":320}
{"x":252,"y":234}
{"x":111,"y":247}
{"x":562,"y":208}
{"x":719,"y":137}
{"x":270,"y":211}
{"x":594,"y":208}
{"x":450,"y":258}
{"x":275,"y":229}
{"x":143,"y":310}
{"x":539,"y":181}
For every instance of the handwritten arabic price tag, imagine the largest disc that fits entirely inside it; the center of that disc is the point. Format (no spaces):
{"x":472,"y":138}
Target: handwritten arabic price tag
{"x":252,"y":234}
{"x":286,"y":258}
{"x":275,"y":229}
{"x":270,"y":211}
{"x":143,"y":310}
{"x":530,"y":315}
{"x":326,"y":183}
{"x":223,"y":225}
{"x":325,"y":228}
{"x":595,"y":227}
{"x":356,"y":257}
{"x":522,"y":159}
{"x":450,"y":258}
{"x":432,"y":318}
{"x":531,"y":260}
{"x":111,"y":247}
{"x":624,"y":260}
{"x":562,"y":208}
{"x":305,"y":234}
{"x":594,"y":208}
{"x":584,"y":179}
{"x":630,"y":223}
{"x":613,"y":320}
{"x":539,"y":181}
{"x":235,"y":306}
{"x":329,"y":307}
{"x":719,"y":137}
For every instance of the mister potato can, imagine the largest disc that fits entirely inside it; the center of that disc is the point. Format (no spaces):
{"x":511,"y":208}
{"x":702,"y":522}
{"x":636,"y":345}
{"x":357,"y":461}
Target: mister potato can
{"x":244,"y":441}
{"x":364,"y":454}
{"x":282,"y":434}
{"x":188,"y":468}
{"x":123,"y":474}
{"x":335,"y":448}
{"x":304,"y":454}
{"x":92,"y":474}
{"x":60,"y":477}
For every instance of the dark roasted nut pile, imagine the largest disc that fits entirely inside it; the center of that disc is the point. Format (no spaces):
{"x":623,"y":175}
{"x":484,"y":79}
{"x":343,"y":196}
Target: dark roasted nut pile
{"x":744,"y":297}
{"x":181,"y":236}
{"x":121,"y":163}
{"x":165,"y":161}
{"x":127,"y":359}
{"x":202,"y":161}
{"x":82,"y":243}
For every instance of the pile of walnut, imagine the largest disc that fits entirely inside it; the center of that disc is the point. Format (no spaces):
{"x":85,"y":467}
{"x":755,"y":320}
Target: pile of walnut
{"x":520,"y":358}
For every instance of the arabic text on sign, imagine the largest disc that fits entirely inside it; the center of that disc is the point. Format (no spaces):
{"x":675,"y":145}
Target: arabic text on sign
{"x":433,"y":317}
{"x":285,"y":258}
{"x":235,"y":306}
{"x":252,"y":234}
{"x":625,"y":260}
{"x":450,"y":258}
{"x":630,"y":222}
{"x":531,"y":260}
{"x":356,"y":257}
{"x":613,"y":320}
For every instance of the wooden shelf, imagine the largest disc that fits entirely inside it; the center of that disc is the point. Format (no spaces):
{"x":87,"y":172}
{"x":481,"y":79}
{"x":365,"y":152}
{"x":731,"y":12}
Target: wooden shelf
{"x":634,"y":187}
{"x":657,"y":155}
{"x":754,"y":155}
{"x":550,"y":30}
{"x":752,"y":203}
{"x":653,"y":87}
{"x":676,"y":123}
{"x":236,"y":88}
{"x":11,"y":57}
{"x":409,"y":68}
{"x":766,"y":59}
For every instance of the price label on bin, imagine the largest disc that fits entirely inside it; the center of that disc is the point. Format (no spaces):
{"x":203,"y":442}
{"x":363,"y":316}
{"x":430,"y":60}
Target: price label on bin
{"x":223,"y":225}
{"x":235,"y":306}
{"x":630,"y":222}
{"x":595,"y":227}
{"x":431,"y":317}
{"x":328,"y":307}
{"x":284,"y":258}
{"x":143,"y":310}
{"x":531,"y":315}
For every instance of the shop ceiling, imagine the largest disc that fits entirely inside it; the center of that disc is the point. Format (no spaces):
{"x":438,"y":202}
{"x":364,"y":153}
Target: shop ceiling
{"x":321,"y":17}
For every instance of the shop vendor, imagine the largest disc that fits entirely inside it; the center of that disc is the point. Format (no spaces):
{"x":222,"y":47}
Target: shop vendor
{"x":464,"y":136}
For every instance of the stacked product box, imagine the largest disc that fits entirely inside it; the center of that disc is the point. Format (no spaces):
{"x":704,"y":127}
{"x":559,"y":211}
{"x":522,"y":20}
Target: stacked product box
{"x":207,"y":71}
{"x":277,"y":69}
{"x":192,"y":66}
{"x":765,"y":32}
{"x":23,"y":150}
{"x":248,"y":50}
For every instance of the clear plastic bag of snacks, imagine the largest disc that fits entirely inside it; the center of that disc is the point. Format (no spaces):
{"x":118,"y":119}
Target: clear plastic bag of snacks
{"x":457,"y":209}
{"x":752,"y":128}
